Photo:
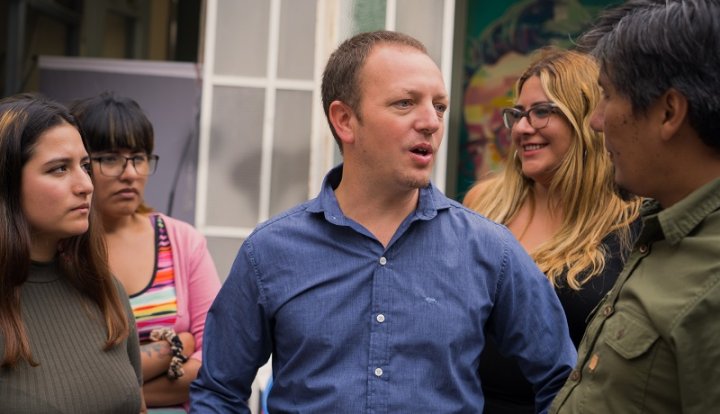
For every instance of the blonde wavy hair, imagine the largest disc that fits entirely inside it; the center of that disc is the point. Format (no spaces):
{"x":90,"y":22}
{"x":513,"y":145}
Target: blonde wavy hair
{"x":582,"y":186}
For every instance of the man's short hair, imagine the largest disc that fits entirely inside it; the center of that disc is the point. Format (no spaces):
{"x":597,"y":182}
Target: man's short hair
{"x":646,"y":47}
{"x":340,"y":81}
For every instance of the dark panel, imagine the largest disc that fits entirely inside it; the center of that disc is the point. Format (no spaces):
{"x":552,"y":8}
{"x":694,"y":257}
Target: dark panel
{"x":171,"y":103}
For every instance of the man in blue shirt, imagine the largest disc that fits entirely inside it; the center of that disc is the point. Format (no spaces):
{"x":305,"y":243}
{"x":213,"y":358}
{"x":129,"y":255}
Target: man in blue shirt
{"x":378,"y":295}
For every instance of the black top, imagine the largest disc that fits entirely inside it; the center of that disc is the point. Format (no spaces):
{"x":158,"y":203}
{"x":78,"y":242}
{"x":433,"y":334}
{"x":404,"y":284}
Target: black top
{"x":505,"y":388}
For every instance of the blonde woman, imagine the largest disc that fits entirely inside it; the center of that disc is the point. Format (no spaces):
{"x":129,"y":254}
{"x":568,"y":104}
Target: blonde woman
{"x":558,"y":197}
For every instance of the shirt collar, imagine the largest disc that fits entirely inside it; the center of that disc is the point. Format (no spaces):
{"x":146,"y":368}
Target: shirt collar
{"x":678,"y":220}
{"x":44,"y":272}
{"x":430,"y":202}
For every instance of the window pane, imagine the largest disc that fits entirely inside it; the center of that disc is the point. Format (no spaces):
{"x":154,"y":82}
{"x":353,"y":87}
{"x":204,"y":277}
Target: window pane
{"x":361,"y":16}
{"x":235,"y":157}
{"x":297,"y":39}
{"x":223,"y":251}
{"x":242,"y":44}
{"x":422,"y":19}
{"x":291,"y":150}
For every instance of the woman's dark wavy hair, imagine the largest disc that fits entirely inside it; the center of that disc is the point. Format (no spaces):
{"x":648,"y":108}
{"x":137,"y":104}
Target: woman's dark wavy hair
{"x":82,"y":258}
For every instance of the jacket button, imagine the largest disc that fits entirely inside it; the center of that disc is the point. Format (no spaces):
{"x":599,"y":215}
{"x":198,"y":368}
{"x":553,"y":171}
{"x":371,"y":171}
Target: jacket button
{"x":643,"y":248}
{"x":575,"y":375}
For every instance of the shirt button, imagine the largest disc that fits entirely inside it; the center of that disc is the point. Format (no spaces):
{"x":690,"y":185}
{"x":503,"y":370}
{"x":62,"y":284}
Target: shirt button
{"x":607,"y":310}
{"x":383,"y":261}
{"x":643,"y":248}
{"x":380,"y":318}
{"x":575,"y":375}
{"x":378,"y":372}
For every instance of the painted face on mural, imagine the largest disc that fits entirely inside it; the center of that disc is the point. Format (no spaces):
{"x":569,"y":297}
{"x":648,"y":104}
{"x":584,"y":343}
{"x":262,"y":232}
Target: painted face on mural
{"x":490,"y":90}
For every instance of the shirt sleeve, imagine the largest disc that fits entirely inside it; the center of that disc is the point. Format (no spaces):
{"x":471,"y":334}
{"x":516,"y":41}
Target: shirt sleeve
{"x":202,"y":287}
{"x":237,"y":342}
{"x":529,"y":325}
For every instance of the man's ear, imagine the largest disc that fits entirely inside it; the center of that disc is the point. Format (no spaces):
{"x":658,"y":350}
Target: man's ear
{"x":675,"y":112}
{"x":343,"y":119}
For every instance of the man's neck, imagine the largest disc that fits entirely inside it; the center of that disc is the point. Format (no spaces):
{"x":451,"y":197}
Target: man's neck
{"x":380,"y":210}
{"x":685,"y":186}
{"x":690,"y":165}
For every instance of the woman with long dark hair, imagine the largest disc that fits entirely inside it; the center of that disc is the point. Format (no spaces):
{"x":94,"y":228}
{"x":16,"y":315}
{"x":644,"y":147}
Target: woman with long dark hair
{"x":67,"y":339}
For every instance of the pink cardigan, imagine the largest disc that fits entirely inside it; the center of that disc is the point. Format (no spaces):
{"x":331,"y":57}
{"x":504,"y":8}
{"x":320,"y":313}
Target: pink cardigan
{"x":196,"y":279}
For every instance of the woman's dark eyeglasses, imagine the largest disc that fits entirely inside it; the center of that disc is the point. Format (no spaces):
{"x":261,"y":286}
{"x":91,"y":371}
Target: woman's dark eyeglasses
{"x":538,"y":115}
{"x":113,"y":165}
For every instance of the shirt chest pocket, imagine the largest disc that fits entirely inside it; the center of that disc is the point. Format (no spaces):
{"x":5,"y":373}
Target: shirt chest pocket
{"x":627,"y":336}
{"x":630,"y":357}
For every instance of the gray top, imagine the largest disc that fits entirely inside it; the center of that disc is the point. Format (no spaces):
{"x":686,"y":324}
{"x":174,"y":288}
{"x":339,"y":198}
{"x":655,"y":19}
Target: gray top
{"x":67,"y":335}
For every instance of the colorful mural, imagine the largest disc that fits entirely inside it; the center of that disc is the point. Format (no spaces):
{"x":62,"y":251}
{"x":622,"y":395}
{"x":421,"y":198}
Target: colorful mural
{"x":501,"y":37}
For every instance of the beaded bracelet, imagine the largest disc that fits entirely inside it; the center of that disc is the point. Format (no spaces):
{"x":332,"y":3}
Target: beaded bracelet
{"x":175,"y":369}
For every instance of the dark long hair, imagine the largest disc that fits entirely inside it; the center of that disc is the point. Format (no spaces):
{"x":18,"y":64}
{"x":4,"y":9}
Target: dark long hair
{"x":82,"y":259}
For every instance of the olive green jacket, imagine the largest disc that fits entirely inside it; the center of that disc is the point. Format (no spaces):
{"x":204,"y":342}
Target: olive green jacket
{"x":653,"y":345}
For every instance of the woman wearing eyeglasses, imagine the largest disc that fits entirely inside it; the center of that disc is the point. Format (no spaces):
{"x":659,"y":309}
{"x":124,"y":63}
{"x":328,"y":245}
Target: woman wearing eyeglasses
{"x":558,"y":197}
{"x":163,"y":263}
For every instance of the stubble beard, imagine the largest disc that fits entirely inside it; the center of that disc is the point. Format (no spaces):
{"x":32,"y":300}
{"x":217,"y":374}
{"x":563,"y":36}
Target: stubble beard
{"x":623,"y":193}
{"x":619,"y":189}
{"x":413,"y":181}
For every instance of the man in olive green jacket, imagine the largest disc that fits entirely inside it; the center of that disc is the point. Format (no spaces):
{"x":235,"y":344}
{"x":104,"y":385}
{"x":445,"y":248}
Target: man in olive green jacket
{"x":653,"y":345}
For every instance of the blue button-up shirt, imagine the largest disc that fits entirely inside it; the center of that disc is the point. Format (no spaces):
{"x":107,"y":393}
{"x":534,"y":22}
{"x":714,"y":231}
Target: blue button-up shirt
{"x":355,"y":327}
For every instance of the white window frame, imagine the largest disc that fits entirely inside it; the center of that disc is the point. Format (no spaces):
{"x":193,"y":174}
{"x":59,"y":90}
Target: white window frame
{"x":323,"y":154}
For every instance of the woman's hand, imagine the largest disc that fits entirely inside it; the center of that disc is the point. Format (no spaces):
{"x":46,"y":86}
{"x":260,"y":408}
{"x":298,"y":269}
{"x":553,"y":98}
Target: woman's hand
{"x":163,"y":391}
{"x":188,"y":341}
{"x":155,"y":359}
{"x":158,"y":389}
